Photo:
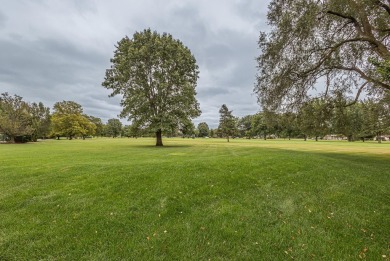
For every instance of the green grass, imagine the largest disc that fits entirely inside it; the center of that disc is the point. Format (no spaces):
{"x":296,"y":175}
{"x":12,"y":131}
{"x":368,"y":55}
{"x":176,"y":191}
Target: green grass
{"x":202,"y":199}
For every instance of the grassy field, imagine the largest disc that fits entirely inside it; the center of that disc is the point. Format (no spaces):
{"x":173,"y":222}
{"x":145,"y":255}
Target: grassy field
{"x":202,"y":199}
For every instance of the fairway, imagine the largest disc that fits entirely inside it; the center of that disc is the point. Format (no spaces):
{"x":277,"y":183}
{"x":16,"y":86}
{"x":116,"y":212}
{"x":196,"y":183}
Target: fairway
{"x":194,"y":199}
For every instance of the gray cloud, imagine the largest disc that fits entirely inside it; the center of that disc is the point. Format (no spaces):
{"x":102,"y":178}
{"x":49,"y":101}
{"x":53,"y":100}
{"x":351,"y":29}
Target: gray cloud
{"x":3,"y":20}
{"x":59,"y":50}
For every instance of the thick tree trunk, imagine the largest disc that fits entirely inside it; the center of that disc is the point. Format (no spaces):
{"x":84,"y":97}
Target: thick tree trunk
{"x":158,"y":138}
{"x":12,"y":139}
{"x":379,"y":138}
{"x":304,"y":137}
{"x":316,"y":138}
{"x":227,"y":137}
{"x":349,"y":138}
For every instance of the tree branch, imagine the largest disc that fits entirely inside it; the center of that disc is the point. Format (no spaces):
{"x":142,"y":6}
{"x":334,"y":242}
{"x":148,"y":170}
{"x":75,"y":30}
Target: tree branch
{"x":334,"y":48}
{"x":351,"y":18}
{"x":363,"y":75}
{"x":383,"y":5}
{"x":357,"y":95}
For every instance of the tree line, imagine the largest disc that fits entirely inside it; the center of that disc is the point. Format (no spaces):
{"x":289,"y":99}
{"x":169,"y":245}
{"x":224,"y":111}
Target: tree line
{"x":21,"y":121}
{"x":316,"y":119}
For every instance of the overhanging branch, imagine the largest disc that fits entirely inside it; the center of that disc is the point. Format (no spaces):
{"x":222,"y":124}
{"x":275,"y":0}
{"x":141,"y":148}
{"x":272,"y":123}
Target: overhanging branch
{"x":363,"y":75}
{"x":357,"y":95}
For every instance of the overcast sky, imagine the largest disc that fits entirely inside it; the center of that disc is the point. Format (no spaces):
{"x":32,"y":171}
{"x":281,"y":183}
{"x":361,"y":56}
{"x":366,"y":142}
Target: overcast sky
{"x":55,"y":50}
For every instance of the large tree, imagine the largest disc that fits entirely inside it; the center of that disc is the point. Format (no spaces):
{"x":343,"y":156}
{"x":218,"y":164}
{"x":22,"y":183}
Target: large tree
{"x":156,"y":76}
{"x":15,"y":117}
{"x":326,"y":47}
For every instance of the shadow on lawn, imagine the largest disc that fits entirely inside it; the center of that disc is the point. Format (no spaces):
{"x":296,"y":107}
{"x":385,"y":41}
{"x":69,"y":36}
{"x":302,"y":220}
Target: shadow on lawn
{"x":163,"y":147}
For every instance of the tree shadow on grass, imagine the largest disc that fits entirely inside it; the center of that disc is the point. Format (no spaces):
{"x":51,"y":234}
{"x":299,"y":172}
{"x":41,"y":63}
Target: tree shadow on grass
{"x":171,"y":146}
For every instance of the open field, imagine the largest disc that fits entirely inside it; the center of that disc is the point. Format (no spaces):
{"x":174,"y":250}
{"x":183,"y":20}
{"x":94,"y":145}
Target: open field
{"x":202,"y":199}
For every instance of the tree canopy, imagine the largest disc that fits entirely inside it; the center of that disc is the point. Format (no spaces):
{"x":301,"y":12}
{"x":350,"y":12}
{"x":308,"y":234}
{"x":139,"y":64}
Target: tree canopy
{"x":227,"y":122}
{"x":15,"y":118}
{"x":340,"y":44}
{"x":113,"y":128}
{"x":203,"y":129}
{"x":156,"y":76}
{"x":67,"y":120}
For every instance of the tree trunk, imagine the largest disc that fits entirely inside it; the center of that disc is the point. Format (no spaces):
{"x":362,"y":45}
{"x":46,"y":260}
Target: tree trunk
{"x":158,"y":138}
{"x":227,"y":138}
{"x":12,"y":139}
{"x":316,"y":138}
{"x":379,"y":138}
{"x":304,"y":137}
{"x":349,"y":138}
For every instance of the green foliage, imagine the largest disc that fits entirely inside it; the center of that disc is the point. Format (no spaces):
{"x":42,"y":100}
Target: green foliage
{"x":40,"y":120}
{"x":98,"y":123}
{"x":15,"y":117}
{"x":203,"y":129}
{"x":113,"y":128}
{"x":227,"y":123}
{"x":245,"y":126}
{"x":314,"y":118}
{"x":383,"y":69}
{"x":67,"y":120}
{"x":330,"y":41}
{"x":157,"y":76}
{"x":188,"y":129}
{"x":259,"y":126}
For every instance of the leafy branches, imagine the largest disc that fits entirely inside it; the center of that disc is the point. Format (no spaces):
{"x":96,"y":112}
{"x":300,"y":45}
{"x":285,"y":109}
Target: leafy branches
{"x":316,"y":41}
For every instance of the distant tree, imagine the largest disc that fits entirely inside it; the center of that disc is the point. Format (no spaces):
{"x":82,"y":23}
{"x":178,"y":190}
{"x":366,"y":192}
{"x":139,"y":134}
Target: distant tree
{"x":98,"y":123}
{"x":113,"y":128}
{"x":227,"y":122}
{"x":343,"y":43}
{"x":157,"y":76}
{"x":288,"y":122}
{"x":245,"y":126}
{"x":314,"y":118}
{"x":67,"y":120}
{"x":347,"y":120}
{"x":272,"y":120}
{"x":212,"y":133}
{"x":203,"y":129}
{"x":259,"y":125}
{"x":188,"y":129}
{"x":376,"y":118}
{"x":15,"y":118}
{"x":40,"y":119}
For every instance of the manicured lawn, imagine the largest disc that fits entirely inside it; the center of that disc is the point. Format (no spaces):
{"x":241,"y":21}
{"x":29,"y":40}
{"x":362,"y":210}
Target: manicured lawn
{"x":202,"y":199}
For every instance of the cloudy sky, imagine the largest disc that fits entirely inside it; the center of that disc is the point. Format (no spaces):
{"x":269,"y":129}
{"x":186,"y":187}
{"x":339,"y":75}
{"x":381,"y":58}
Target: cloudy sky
{"x":54,"y":50}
